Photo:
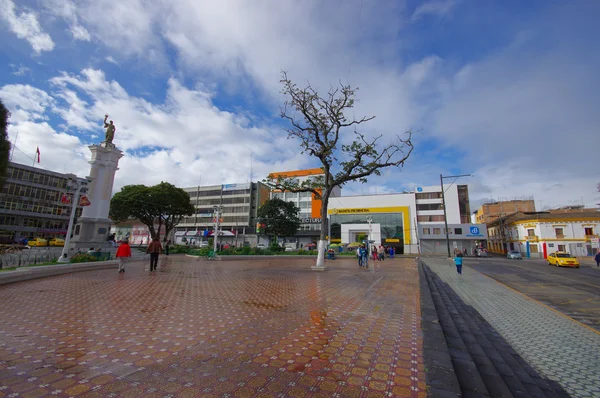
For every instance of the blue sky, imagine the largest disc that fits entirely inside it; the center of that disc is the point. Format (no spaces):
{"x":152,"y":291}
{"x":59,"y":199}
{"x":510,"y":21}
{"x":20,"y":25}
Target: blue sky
{"x":505,"y":90}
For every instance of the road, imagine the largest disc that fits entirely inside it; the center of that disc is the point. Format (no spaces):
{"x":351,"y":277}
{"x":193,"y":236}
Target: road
{"x":573,"y":291}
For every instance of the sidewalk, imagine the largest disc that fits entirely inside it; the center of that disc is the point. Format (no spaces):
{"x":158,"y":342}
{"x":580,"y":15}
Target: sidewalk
{"x":556,"y":346}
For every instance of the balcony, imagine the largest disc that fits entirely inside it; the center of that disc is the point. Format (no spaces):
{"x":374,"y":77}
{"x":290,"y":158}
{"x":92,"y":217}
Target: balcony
{"x":560,"y":236}
{"x":590,"y":237}
{"x":532,"y":238}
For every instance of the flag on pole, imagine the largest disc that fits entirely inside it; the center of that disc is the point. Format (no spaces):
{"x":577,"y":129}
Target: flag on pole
{"x":37,"y":152}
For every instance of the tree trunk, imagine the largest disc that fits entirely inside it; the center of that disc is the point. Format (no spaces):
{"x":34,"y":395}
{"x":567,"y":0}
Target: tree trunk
{"x":322,"y":245}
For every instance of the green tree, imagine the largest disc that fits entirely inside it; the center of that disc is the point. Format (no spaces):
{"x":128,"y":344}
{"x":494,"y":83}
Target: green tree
{"x":361,"y":237}
{"x":164,"y":204}
{"x":4,"y":143}
{"x":328,"y":135}
{"x":280,"y":218}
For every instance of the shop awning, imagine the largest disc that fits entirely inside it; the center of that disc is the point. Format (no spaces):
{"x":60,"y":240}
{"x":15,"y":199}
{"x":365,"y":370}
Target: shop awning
{"x":193,"y":233}
{"x":180,"y":233}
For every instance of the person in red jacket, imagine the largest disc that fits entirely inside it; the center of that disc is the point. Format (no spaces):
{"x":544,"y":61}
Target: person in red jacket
{"x":123,"y":254}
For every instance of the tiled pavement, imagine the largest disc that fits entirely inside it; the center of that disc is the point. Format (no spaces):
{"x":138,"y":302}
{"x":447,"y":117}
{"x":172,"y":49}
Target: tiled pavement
{"x":557,"y":347}
{"x":205,"y":329}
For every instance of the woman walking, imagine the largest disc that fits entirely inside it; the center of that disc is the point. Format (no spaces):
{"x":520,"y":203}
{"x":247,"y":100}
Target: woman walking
{"x":123,"y":254}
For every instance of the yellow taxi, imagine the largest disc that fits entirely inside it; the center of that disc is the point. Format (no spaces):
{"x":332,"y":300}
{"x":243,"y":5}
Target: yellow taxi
{"x":37,"y":242}
{"x":562,"y":259}
{"x":56,"y":242}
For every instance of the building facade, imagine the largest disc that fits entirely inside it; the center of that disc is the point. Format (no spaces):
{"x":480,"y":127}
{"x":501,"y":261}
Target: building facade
{"x":395,"y":218}
{"x":30,"y":203}
{"x":489,"y":212}
{"x":537,"y":234}
{"x":239,"y":206}
{"x":309,"y":205}
{"x":469,"y":237}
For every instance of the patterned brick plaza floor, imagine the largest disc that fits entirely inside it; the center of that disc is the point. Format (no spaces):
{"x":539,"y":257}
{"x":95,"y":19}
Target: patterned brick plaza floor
{"x":208,"y":328}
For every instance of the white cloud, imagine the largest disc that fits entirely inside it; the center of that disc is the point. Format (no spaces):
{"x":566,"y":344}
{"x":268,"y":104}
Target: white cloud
{"x":26,"y":26}
{"x":80,"y":33}
{"x":25,"y":102}
{"x":438,"y":8}
{"x":111,"y":60}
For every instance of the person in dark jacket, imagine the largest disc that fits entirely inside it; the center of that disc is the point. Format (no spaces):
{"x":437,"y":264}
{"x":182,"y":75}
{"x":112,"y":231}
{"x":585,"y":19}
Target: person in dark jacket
{"x":597,"y":258}
{"x":167,"y":245}
{"x":155,"y":248}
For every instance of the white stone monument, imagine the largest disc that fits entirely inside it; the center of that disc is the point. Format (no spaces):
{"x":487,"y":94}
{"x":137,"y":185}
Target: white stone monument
{"x":93,"y":227}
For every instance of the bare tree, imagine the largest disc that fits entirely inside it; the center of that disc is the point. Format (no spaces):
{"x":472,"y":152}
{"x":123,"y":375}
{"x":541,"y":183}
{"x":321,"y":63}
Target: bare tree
{"x":320,"y":124}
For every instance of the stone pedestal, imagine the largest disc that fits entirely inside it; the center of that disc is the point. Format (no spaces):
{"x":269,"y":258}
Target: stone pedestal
{"x":93,"y":227}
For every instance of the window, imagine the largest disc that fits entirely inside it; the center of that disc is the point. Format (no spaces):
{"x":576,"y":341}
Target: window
{"x":434,"y":218}
{"x":559,"y":232}
{"x":437,"y":231}
{"x":561,"y":248}
{"x":429,"y":195}
{"x":531,"y":232}
{"x":426,"y":231}
{"x":589,"y":231}
{"x":429,"y":206}
{"x":458,"y":231}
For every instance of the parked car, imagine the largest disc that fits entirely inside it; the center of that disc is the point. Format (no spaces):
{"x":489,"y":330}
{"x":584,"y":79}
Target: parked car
{"x":37,"y":242}
{"x":514,"y":255}
{"x":289,"y":249}
{"x":482,"y":253}
{"x":203,"y":243}
{"x":261,"y":246}
{"x":562,"y":259}
{"x":56,"y":242}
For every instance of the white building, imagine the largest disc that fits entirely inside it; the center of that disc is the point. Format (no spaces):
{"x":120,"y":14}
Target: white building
{"x":537,"y":234}
{"x":395,"y":217}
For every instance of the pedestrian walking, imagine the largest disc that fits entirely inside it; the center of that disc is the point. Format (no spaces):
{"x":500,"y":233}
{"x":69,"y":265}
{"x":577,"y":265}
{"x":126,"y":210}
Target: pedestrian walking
{"x":155,"y":248}
{"x":392,"y":251}
{"x":458,"y":260}
{"x":381,"y":253}
{"x":374,"y":252}
{"x":363,"y":257}
{"x":167,"y":245}
{"x":123,"y":254}
{"x":597,"y":258}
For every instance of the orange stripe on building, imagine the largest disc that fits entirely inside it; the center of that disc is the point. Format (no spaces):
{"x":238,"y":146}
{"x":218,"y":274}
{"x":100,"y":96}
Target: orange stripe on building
{"x":315,"y":210}
{"x":297,"y":173}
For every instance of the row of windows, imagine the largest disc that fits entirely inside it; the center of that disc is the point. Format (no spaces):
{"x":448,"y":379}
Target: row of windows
{"x":225,"y":201}
{"x":438,"y":231}
{"x":290,"y":195}
{"x":226,"y":219}
{"x":430,"y":218}
{"x":428,"y":195}
{"x":35,"y":177}
{"x":430,"y":206}
{"x":31,"y":222}
{"x":13,"y":189}
{"x":34,"y":207}
{"x":559,"y":232}
{"x":218,"y":192}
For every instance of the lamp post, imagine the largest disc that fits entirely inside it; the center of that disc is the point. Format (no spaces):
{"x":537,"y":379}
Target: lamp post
{"x":217,"y":212}
{"x":79,"y":187}
{"x":368,"y":248}
{"x":444,"y":205}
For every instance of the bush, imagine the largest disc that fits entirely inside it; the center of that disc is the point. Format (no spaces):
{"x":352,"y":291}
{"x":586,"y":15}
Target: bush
{"x":83,"y":258}
{"x":275,"y":248}
{"x":178,"y":249}
{"x":204,"y":251}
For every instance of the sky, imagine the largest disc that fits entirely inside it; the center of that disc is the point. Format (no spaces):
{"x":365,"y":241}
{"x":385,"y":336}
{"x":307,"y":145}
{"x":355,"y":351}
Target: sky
{"x":506,"y":91}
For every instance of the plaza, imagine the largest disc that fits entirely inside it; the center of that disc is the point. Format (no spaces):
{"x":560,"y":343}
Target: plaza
{"x":269,"y":327}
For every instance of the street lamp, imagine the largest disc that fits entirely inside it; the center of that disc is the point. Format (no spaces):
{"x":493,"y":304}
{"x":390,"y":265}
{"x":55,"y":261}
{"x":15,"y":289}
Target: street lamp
{"x":79,"y":187}
{"x":368,"y":248}
{"x":217,"y":212}
{"x":444,"y":204}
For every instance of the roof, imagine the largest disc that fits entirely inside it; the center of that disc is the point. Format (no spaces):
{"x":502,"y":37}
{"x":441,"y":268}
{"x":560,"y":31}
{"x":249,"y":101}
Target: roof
{"x":544,"y":215}
{"x":297,"y":173}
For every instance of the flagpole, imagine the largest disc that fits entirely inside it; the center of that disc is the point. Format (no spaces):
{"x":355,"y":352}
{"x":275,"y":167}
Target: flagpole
{"x":12,"y":152}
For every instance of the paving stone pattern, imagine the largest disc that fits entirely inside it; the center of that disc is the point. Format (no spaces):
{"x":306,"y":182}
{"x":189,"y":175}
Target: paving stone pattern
{"x":557,"y":347}
{"x":208,"y":329}
{"x":484,"y":363}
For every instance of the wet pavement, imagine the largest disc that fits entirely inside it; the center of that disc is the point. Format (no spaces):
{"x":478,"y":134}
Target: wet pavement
{"x":266,"y":328}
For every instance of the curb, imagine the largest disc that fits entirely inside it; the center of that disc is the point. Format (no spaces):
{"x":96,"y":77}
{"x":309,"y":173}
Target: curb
{"x":28,"y":273}
{"x":439,"y":375}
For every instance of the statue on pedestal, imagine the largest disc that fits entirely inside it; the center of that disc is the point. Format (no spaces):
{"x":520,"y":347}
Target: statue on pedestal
{"x":110,"y":131}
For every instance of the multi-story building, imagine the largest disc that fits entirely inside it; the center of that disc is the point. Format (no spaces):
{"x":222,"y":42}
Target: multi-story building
{"x":309,"y":205}
{"x":394,"y":219}
{"x":537,"y":234}
{"x":239,"y":206}
{"x":30,"y":203}
{"x":489,"y":212}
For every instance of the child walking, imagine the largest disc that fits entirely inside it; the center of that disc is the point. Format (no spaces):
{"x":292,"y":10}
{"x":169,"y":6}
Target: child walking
{"x":458,"y":260}
{"x":123,"y":254}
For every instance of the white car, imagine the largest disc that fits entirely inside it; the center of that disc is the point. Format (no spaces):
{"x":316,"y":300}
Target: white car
{"x":204,"y":243}
{"x":261,"y":246}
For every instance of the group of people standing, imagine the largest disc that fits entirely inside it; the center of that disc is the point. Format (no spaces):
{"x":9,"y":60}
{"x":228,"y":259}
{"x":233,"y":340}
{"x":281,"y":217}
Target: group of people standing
{"x":155,"y":248}
{"x":378,"y":253}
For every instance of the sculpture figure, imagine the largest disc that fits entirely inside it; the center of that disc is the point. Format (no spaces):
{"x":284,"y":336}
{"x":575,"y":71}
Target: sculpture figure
{"x":110,"y":130}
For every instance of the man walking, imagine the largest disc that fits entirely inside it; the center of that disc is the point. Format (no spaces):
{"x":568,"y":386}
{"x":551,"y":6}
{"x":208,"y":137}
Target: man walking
{"x":155,"y":248}
{"x":597,"y":258}
{"x":123,"y":254}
